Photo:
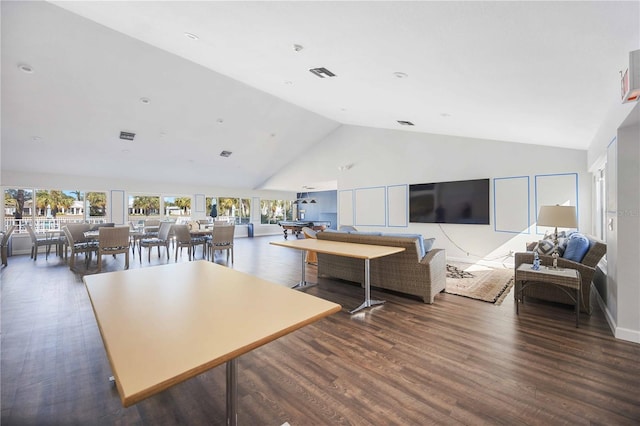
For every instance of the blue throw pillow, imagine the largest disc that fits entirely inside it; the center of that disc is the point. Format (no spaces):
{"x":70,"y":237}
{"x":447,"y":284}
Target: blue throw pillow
{"x":577,"y":247}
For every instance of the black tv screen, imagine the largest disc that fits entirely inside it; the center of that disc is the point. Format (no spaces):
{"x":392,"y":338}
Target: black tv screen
{"x":465,"y":201}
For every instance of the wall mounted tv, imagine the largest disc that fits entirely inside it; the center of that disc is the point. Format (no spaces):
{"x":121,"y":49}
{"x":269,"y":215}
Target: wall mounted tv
{"x":465,"y":201}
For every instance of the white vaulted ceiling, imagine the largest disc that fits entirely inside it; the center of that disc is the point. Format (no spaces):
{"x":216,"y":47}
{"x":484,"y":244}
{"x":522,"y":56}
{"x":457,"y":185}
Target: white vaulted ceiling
{"x":529,"y":72}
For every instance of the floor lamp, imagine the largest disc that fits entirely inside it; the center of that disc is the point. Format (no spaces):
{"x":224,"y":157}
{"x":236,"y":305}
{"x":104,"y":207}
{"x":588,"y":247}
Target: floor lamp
{"x":558,"y":217}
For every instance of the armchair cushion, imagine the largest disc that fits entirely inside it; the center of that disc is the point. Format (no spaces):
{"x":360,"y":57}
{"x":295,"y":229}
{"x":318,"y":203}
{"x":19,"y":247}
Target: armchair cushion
{"x":577,"y":247}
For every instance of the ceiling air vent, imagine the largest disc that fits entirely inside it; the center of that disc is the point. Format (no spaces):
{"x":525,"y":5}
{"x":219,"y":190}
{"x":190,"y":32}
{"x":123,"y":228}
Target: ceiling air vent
{"x":225,"y":153}
{"x":127,"y":136}
{"x":322,"y":72}
{"x":405,"y":123}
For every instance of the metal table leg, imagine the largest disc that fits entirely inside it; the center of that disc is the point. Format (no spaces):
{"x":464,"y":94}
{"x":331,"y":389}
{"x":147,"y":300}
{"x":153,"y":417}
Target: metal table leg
{"x":367,"y":290}
{"x":303,"y":282}
{"x":232,"y":392}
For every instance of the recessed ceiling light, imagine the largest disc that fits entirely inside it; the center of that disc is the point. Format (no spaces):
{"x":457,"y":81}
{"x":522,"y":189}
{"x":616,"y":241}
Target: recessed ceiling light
{"x":445,"y":114}
{"x":125,"y":151}
{"x":225,"y":153}
{"x":405,"y":123}
{"x":191,"y":36}
{"x":36,"y":138}
{"x":298,"y":47}
{"x":145,"y":101}
{"x":220,"y":120}
{"x":25,"y":68}
{"x":288,"y":82}
{"x":400,"y":74}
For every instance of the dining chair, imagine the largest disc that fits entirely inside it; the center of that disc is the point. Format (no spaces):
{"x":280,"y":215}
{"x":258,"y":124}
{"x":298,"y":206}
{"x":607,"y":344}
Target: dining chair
{"x":113,"y":240}
{"x":222,"y":240}
{"x":183,"y":238}
{"x":76,"y":247}
{"x":162,"y":240}
{"x":4,"y":244}
{"x":37,"y":242}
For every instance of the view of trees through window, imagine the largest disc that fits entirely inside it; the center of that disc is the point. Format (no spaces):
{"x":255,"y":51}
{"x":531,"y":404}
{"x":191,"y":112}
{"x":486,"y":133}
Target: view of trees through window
{"x":273,"y":211}
{"x":177,"y":206}
{"x":143,"y":205}
{"x":51,"y":206}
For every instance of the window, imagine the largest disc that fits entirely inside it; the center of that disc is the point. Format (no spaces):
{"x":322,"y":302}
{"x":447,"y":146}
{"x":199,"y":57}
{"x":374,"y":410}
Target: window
{"x":208,"y":202}
{"x":273,"y":211}
{"x":234,"y":210}
{"x":144,"y":205}
{"x":18,"y":203}
{"x":176,"y":207}
{"x":96,"y":205}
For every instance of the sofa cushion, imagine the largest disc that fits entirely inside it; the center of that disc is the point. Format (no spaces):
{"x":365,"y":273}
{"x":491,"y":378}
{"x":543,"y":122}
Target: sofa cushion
{"x":424,"y":245}
{"x":577,"y":247}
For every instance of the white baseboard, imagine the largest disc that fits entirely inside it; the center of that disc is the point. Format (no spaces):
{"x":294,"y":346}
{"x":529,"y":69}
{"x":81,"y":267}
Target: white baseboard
{"x":618,"y":332}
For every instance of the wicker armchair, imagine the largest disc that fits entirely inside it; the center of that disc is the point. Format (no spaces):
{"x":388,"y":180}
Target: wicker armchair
{"x":113,"y":240}
{"x":587,"y":269}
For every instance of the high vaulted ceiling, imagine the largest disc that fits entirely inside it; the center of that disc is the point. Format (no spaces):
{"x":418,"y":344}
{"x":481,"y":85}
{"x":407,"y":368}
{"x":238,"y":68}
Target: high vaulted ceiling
{"x":528,"y":72}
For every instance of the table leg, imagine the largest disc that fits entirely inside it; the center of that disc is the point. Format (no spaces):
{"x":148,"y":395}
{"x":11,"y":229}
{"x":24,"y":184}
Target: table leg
{"x":285,"y":233}
{"x":367,"y":290}
{"x":232,"y":392}
{"x":303,"y":282}
{"x":578,"y":306}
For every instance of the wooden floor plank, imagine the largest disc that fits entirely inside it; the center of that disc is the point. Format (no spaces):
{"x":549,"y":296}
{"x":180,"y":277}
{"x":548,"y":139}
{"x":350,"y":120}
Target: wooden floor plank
{"x":458,"y":361}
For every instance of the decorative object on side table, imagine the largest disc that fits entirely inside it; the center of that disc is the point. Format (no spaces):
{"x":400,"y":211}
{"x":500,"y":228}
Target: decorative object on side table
{"x":557,"y":216}
{"x":536,"y":261}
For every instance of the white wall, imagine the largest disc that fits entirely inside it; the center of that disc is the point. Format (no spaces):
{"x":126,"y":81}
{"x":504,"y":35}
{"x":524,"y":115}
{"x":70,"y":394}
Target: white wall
{"x":623,"y":236}
{"x":383,"y":158}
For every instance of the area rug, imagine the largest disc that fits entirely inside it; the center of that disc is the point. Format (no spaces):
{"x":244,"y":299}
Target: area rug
{"x":479,"y":282}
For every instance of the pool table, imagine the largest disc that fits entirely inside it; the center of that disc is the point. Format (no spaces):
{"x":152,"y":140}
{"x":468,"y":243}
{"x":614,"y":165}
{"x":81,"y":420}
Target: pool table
{"x":295,"y":226}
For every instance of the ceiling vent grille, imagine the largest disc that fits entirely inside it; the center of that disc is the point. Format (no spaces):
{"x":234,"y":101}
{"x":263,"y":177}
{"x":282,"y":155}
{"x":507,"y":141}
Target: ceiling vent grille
{"x":225,"y":153}
{"x":322,"y":72}
{"x":127,"y":136}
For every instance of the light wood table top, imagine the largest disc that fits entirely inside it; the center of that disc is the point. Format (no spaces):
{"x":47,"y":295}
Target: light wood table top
{"x":339,"y":248}
{"x":359,"y":251}
{"x":165,"y":324}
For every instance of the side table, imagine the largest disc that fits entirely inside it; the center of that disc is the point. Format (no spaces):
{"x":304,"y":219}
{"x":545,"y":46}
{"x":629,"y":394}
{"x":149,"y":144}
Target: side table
{"x":563,"y":278}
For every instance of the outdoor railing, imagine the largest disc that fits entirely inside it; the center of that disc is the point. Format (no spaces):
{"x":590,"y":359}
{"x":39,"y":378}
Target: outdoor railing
{"x":42,"y":224}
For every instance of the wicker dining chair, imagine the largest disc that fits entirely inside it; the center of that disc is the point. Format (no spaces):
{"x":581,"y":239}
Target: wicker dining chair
{"x":183,"y":238}
{"x":113,"y":240}
{"x":4,"y":244}
{"x":37,"y":242}
{"x":222,"y":240}
{"x":78,"y":246}
{"x":162,"y":240}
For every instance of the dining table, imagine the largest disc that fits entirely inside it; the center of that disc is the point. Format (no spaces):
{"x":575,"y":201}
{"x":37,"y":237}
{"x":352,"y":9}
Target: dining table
{"x":163,"y":325}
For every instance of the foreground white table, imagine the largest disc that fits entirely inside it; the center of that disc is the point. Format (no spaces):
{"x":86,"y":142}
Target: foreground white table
{"x":162,"y":325}
{"x":358,"y":251}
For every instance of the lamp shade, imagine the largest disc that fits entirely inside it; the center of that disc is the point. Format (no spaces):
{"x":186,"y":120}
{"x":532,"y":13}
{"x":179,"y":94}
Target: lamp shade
{"x":558,"y":216}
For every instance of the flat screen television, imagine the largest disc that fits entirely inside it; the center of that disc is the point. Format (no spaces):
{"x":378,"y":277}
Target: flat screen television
{"x":465,"y":201}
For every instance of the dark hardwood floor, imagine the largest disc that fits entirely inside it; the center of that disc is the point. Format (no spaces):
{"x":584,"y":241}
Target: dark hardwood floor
{"x":458,"y":361}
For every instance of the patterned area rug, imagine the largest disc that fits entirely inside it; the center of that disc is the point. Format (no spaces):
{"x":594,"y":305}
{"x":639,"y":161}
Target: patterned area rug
{"x":479,"y":282}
